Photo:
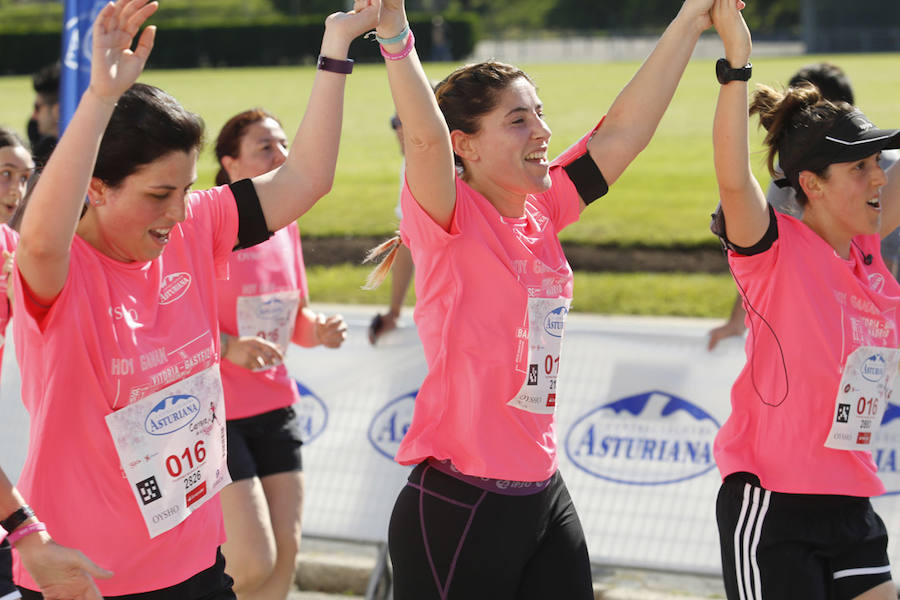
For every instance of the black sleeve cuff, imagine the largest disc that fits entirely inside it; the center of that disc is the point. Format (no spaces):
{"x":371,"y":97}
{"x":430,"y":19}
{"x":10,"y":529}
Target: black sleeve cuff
{"x":252,"y":227}
{"x":587,"y":178}
{"x":718,"y":227}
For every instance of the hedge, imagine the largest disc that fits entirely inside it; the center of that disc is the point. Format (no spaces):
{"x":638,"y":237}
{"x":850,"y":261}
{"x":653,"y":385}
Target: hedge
{"x":286,"y":40}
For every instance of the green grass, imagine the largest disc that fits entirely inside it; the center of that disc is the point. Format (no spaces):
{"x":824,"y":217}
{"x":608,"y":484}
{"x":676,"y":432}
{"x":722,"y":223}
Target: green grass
{"x":664,"y":198}
{"x":675,"y":294}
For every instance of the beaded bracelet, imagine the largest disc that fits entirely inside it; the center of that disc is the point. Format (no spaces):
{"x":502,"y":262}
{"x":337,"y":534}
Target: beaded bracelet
{"x":410,"y":44}
{"x":393,"y":40}
{"x":18,"y":534}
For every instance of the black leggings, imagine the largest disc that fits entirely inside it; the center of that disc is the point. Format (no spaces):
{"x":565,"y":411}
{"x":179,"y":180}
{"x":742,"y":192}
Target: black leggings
{"x":449,"y":539}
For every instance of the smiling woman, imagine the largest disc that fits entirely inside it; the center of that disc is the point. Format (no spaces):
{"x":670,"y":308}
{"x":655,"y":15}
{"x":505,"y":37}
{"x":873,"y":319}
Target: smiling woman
{"x":794,"y":515}
{"x":482,"y":209}
{"x":120,"y":299}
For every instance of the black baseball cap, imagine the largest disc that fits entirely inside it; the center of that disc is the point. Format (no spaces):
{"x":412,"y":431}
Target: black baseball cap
{"x":851,"y":137}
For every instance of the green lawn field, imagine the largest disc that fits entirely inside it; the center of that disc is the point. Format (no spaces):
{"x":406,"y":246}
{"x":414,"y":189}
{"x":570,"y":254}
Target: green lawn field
{"x":664,"y":199}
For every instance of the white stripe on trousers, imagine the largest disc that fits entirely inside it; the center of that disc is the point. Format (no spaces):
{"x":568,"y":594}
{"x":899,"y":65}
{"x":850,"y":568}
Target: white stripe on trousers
{"x":746,"y":540}
{"x":859,"y":571}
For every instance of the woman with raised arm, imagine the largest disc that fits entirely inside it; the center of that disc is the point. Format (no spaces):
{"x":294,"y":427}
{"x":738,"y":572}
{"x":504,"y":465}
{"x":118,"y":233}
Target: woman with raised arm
{"x":485,"y":513}
{"x":263,"y":306}
{"x":795,"y":520}
{"x":118,"y":336}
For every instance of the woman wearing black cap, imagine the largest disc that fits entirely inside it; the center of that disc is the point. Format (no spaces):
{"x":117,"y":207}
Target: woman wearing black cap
{"x":794,"y":515}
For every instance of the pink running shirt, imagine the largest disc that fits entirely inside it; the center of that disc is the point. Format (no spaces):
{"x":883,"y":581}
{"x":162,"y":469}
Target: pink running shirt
{"x":9,"y":239}
{"x":821,"y":308}
{"x":275,"y":265}
{"x":472,"y":289}
{"x":117,"y":332}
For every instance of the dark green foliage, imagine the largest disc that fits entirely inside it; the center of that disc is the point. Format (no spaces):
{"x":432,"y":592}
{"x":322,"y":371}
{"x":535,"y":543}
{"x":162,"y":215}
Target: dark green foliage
{"x":240,"y":42}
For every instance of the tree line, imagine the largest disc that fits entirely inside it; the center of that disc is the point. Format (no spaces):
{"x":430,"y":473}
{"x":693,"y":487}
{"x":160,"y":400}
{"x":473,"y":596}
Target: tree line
{"x":763,"y":16}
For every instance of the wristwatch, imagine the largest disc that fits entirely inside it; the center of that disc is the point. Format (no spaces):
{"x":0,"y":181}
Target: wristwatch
{"x":335,"y":65}
{"x":19,"y":516}
{"x":725,"y":73}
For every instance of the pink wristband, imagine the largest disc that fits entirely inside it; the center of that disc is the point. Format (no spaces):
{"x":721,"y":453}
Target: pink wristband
{"x":410,"y":44}
{"x":18,"y":534}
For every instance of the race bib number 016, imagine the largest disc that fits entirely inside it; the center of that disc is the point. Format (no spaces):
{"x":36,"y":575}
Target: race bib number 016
{"x":172,"y":447}
{"x":546,"y":325}
{"x":862,"y":397}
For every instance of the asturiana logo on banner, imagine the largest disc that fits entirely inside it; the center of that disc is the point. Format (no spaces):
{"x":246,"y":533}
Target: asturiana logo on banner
{"x":555,"y":321}
{"x":886,"y":449}
{"x":311,"y":412}
{"x":647,"y":439}
{"x":873,"y":367}
{"x":391,"y":423}
{"x":171,"y":414}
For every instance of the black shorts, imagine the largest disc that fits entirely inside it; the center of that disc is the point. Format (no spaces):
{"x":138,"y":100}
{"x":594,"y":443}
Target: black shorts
{"x":452,"y":540}
{"x":210,"y":584}
{"x":792,"y":546}
{"x":8,"y":590}
{"x":264,"y":444}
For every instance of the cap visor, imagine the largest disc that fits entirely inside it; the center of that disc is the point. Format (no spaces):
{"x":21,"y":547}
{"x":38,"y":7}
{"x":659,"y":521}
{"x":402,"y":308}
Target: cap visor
{"x":868,"y":143}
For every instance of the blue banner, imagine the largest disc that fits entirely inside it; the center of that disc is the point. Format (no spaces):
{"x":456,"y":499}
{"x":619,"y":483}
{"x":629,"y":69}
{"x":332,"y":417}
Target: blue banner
{"x":76,"y":55}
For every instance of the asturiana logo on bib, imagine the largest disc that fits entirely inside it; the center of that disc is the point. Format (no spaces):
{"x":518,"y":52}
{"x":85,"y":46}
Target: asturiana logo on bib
{"x":311,"y":412}
{"x":873,"y":368}
{"x":391,"y":423}
{"x":555,"y":321}
{"x":173,"y":287}
{"x":271,"y":309}
{"x":171,"y":414}
{"x":647,"y":439}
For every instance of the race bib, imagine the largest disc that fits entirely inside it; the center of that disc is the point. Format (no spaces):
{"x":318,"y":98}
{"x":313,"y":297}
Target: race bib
{"x":862,"y":397}
{"x":269,"y":316}
{"x":172,"y":448}
{"x":546,"y":324}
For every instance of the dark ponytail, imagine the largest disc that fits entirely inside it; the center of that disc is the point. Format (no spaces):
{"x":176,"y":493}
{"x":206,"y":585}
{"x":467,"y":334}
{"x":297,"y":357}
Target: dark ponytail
{"x":787,"y":116}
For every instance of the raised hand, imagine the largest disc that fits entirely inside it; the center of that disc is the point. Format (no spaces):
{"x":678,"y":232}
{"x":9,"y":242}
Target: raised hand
{"x":702,"y":11}
{"x":726,"y":16}
{"x":114,"y":66}
{"x":352,"y":24}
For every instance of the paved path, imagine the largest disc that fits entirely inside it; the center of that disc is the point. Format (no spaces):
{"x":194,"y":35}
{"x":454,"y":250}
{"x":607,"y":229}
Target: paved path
{"x":597,"y":49}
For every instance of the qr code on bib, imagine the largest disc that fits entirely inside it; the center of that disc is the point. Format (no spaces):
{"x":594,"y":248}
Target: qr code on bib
{"x":148,"y":490}
{"x":843,"y":413}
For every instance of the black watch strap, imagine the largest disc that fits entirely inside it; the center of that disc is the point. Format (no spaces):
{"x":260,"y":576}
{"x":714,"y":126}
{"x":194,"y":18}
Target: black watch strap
{"x":725,"y":73}
{"x":18,"y":517}
{"x":335,"y":65}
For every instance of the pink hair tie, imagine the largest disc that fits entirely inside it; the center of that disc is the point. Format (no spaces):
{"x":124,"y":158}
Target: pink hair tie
{"x":410,"y":44}
{"x":18,"y":534}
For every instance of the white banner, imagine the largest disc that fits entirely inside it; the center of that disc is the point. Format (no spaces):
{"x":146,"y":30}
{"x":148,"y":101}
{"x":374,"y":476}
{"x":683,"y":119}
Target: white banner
{"x":640,"y":401}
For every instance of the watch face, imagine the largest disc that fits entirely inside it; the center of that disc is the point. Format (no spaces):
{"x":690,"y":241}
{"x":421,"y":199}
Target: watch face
{"x":724,"y":72}
{"x":722,"y":67}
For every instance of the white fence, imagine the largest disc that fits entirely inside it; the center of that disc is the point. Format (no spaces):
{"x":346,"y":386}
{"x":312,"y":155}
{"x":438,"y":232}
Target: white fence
{"x":640,"y":402}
